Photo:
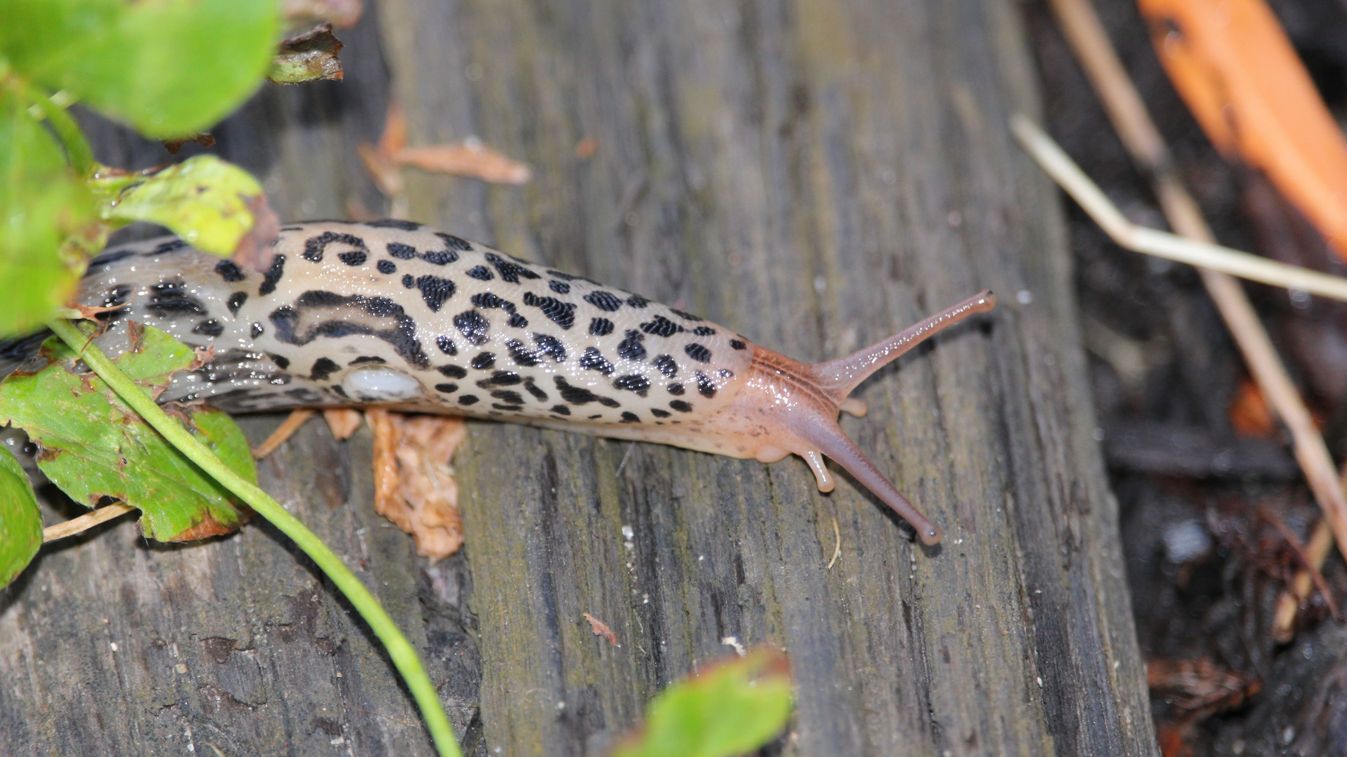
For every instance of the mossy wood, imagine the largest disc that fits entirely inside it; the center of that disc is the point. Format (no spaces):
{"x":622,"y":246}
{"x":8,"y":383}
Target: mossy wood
{"x":813,"y":174}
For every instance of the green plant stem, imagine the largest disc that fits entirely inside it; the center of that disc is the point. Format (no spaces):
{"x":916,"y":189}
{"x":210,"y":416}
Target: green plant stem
{"x":77,"y":148}
{"x":399,"y":649}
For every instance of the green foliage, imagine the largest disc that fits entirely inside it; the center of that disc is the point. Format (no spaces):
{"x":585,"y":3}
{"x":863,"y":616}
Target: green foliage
{"x":729,"y":708}
{"x":204,"y":200}
{"x":93,"y":446}
{"x":20,"y":521}
{"x":169,"y":68}
{"x":42,"y":204}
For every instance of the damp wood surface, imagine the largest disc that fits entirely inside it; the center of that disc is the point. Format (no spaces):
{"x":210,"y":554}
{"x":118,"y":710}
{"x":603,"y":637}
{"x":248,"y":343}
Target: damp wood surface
{"x":814,"y":175}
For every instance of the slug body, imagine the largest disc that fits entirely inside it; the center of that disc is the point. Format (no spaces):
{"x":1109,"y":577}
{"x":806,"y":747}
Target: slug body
{"x":394,"y":314}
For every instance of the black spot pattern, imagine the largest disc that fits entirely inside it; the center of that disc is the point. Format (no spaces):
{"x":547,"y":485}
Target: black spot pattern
{"x":170,"y":299}
{"x":399,"y":331}
{"x":118,"y":296}
{"x":401,"y":251}
{"x":521,"y":355}
{"x":473,"y":326}
{"x":209,"y":327}
{"x":560,"y":313}
{"x":235,"y":302}
{"x":632,"y":347}
{"x":517,"y":321}
{"x":446,"y":388}
{"x":481,"y":273}
{"x":558,"y":286}
{"x":483,"y":360}
{"x":508,"y":396}
{"x":452,"y":371}
{"x":255,"y":330}
{"x":386,"y":267}
{"x":681,"y":406}
{"x":535,"y":390}
{"x":509,"y":270}
{"x":353,"y":257}
{"x":501,"y":378}
{"x":737,"y":344}
{"x":363,"y":359}
{"x":637,"y":301}
{"x":440,"y":257}
{"x":600,"y":327}
{"x":593,"y":360}
{"x":446,"y":345}
{"x":561,"y":410}
{"x":453,"y":242}
{"x":229,"y":271}
{"x":273,"y":276}
{"x":578,"y":395}
{"x":704,"y":331}
{"x":661,"y":326}
{"x":314,"y":247}
{"x":675,"y":389}
{"x":705,"y":387}
{"x":698,"y":352}
{"x":604,"y":300}
{"x":322,"y":368}
{"x":434,"y":290}
{"x":685,"y":315}
{"x":633,"y":382}
{"x":667,"y":365}
{"x":550,"y":346}
{"x":408,"y":280}
{"x":658,"y":413}
{"x":467,"y":399}
{"x":630,"y":417}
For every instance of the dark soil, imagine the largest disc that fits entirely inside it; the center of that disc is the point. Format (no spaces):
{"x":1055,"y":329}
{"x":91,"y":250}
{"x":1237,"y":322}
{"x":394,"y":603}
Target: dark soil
{"x":1204,"y":507}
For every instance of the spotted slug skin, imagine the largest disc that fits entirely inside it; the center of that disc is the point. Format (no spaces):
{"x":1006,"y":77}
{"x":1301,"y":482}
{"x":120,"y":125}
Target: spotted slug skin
{"x":394,"y":314}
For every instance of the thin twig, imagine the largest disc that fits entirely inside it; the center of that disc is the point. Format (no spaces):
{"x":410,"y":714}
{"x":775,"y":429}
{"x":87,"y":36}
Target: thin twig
{"x":283,"y":432}
{"x":1303,"y":556}
{"x":1162,"y":244}
{"x":837,"y":544}
{"x":1139,"y":135}
{"x":79,"y":525}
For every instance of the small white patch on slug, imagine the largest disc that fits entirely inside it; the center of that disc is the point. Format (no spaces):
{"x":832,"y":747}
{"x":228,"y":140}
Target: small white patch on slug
{"x":381,"y":385}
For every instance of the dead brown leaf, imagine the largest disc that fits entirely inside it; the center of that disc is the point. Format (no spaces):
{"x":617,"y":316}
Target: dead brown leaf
{"x":1242,"y":80}
{"x":468,"y":158}
{"x":601,"y":629}
{"x":413,"y":483}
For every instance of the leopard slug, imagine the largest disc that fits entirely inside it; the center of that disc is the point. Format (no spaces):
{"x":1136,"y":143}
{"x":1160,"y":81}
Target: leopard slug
{"x":395,"y":314}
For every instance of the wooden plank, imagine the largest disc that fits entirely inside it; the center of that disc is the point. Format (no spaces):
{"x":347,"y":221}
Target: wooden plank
{"x":811,"y":174}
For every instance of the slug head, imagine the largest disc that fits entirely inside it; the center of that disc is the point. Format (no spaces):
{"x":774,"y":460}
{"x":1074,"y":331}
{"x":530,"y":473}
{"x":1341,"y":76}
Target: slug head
{"x":786,"y":406}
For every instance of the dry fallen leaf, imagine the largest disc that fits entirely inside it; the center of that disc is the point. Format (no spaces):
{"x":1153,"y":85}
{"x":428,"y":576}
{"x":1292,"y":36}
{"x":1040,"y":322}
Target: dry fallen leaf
{"x":467,"y":158}
{"x":343,"y":421}
{"x":601,"y":629}
{"x":1239,"y":75}
{"x":413,"y":484}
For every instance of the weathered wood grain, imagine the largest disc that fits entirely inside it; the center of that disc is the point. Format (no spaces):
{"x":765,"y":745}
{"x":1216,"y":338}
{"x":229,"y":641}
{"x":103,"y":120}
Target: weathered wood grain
{"x":813,"y":174}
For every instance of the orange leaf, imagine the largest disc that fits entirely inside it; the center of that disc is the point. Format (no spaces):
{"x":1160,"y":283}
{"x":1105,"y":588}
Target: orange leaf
{"x":1235,"y":68}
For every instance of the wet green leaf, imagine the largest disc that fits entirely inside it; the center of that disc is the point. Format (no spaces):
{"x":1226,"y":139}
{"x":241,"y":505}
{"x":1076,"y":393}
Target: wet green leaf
{"x":93,"y":446}
{"x":208,"y":202}
{"x":42,"y":204}
{"x":167,"y":67}
{"x":728,"y":708}
{"x":20,"y":521}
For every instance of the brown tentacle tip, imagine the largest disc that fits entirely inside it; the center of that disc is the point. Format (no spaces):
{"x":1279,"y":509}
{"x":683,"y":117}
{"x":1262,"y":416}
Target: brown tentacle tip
{"x":797,"y":405}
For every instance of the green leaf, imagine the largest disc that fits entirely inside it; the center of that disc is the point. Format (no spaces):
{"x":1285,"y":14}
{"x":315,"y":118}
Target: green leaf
{"x":93,"y":446}
{"x":168,"y":67}
{"x":20,"y":521}
{"x":42,"y":205}
{"x":208,"y":202}
{"x":729,"y":708}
